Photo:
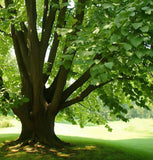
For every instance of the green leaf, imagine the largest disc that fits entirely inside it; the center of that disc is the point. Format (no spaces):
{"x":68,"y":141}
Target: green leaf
{"x":88,"y":53}
{"x":67,"y":57}
{"x":145,"y":29}
{"x":113,"y":48}
{"x":136,"y":41}
{"x":104,"y":77}
{"x":150,"y":53}
{"x":63,"y":31}
{"x":120,"y":18}
{"x":132,"y":14}
{"x":107,"y":5}
{"x":97,"y":61}
{"x":114,"y":38}
{"x":147,"y":10}
{"x":139,"y":54}
{"x":95,"y":82}
{"x":131,"y":9}
{"x":137,"y":25}
{"x":127,"y":46}
{"x":108,"y":26}
{"x":124,"y":31}
{"x":64,"y":4}
{"x":150,"y":68}
{"x":109,"y":65}
{"x":129,"y":53}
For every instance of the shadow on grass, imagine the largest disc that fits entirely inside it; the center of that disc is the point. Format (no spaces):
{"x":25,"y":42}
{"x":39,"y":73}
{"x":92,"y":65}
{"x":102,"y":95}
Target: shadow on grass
{"x":83,"y":149}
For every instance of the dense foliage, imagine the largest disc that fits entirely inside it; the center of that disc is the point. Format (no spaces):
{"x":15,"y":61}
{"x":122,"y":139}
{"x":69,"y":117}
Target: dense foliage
{"x":108,"y":51}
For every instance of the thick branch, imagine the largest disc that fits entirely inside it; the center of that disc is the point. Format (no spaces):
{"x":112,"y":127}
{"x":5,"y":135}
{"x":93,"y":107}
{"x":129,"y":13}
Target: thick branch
{"x":84,"y":94}
{"x":84,"y":78}
{"x":23,"y":49}
{"x":61,"y":80}
{"x":49,"y":92}
{"x":48,"y":22}
{"x":53,"y":51}
{"x":22,"y":68}
{"x":32,"y":17}
{"x":78,"y":83}
{"x":88,"y":90}
{"x":51,"y":58}
{"x":62,"y":71}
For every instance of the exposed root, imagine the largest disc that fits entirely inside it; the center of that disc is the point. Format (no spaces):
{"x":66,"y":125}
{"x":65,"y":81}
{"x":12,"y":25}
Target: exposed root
{"x":31,"y":146}
{"x":37,"y":143}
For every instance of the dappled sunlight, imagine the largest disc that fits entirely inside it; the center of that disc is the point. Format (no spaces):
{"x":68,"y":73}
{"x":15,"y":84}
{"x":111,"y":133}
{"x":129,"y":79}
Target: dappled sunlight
{"x":82,"y":148}
{"x":67,"y":153}
{"x":92,"y":141}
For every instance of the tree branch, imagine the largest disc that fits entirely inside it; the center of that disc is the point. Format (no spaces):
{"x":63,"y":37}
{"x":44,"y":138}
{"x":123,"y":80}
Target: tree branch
{"x":84,"y":94}
{"x":88,"y":90}
{"x":47,"y":25}
{"x":23,"y":49}
{"x":32,"y":17}
{"x":84,"y":78}
{"x":51,"y":58}
{"x":78,"y":83}
{"x":22,"y":68}
{"x":61,"y":81}
{"x":45,"y":14}
{"x":53,"y":51}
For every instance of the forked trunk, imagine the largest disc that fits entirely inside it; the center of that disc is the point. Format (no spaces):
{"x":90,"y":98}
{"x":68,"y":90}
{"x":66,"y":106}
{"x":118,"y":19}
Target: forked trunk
{"x":39,"y":128}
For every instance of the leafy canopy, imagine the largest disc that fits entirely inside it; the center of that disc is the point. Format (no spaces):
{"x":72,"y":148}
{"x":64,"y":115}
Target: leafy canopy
{"x":119,"y":33}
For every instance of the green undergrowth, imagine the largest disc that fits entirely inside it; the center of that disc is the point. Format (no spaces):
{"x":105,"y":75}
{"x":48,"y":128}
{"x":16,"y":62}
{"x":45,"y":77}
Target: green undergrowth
{"x":82,"y":149}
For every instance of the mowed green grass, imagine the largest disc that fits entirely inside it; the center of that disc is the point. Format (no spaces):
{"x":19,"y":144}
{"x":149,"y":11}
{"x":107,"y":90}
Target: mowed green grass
{"x":131,"y":141}
{"x":83,"y":149}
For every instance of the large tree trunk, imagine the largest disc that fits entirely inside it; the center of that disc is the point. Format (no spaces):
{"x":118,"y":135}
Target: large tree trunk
{"x":38,"y":128}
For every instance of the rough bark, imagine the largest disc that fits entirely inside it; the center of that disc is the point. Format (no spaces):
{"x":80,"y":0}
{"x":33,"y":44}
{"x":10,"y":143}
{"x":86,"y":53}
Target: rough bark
{"x":38,"y":128}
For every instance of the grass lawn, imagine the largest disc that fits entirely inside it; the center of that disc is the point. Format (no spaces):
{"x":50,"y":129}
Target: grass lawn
{"x":84,"y":148}
{"x":128,"y":141}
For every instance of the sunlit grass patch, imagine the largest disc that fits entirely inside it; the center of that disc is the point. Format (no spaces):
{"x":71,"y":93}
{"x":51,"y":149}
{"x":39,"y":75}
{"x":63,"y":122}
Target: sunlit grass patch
{"x":82,"y":148}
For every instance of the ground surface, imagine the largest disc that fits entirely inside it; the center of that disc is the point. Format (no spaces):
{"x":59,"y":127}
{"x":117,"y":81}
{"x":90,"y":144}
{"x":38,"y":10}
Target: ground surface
{"x":128,"y":141}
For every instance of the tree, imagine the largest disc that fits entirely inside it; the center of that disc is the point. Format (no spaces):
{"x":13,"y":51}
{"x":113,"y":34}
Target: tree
{"x":94,"y":48}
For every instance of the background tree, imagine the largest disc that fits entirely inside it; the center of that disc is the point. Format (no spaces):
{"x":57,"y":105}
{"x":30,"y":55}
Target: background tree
{"x":67,"y":53}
